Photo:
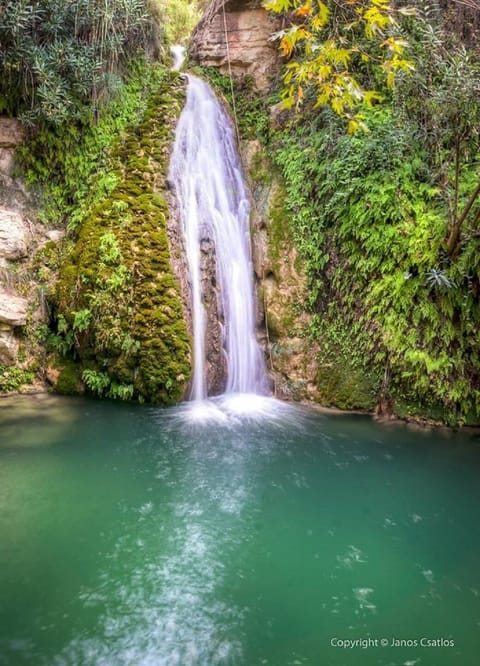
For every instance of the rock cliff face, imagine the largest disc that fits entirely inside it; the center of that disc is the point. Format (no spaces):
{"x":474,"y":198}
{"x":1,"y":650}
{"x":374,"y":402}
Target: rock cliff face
{"x":239,"y":31}
{"x":15,"y":239}
{"x":282,"y":285}
{"x":215,"y":361}
{"x":26,"y":248}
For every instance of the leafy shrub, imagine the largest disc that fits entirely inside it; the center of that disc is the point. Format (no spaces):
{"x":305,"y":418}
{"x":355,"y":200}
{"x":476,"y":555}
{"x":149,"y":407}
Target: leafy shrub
{"x":12,"y":378}
{"x":58,"y":57}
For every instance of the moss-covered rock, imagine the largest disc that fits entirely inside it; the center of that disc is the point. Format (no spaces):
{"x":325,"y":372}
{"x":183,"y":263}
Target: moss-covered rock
{"x":117,"y":292}
{"x":343,"y":386}
{"x":68,"y":377}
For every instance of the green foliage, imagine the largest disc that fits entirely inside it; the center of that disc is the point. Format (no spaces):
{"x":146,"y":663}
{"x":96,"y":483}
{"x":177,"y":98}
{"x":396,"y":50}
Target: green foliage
{"x":251,"y":109}
{"x":117,"y":301}
{"x":96,"y":381}
{"x":59,"y":58}
{"x":62,"y":340}
{"x":369,"y":220}
{"x":12,"y":378}
{"x":339,"y":51}
{"x":177,"y":17}
{"x":101,"y":385}
{"x":81,"y":320}
{"x":69,"y":164}
{"x":441,"y":98}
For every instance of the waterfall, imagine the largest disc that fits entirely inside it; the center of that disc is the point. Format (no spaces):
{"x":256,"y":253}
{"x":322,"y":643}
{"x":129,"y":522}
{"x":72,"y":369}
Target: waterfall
{"x":178,"y":53}
{"x":214,"y":204}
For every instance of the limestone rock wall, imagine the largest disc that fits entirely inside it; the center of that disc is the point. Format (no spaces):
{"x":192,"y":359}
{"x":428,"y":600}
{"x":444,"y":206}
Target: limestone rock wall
{"x":248,"y":29}
{"x":281,"y":285}
{"x":15,"y":239}
{"x":22,"y":303}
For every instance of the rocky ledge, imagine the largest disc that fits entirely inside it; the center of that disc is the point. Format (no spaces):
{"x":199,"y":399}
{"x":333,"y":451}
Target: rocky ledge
{"x":238,"y":31}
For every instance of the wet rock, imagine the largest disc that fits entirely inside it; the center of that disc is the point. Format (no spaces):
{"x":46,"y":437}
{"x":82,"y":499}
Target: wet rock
{"x":55,"y":235}
{"x":6,"y":161}
{"x":249,"y":28}
{"x":13,"y":312}
{"x":11,"y":132}
{"x":52,"y":373}
{"x":282,"y":286}
{"x":178,"y":255}
{"x":215,"y":360}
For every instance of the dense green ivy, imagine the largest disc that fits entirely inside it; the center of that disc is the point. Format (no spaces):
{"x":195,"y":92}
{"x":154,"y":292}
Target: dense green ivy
{"x":371,"y":224}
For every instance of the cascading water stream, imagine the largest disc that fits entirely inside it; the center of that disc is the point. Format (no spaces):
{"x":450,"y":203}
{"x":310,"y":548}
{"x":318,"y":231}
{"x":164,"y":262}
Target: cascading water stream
{"x":178,"y":53}
{"x":213,"y":201}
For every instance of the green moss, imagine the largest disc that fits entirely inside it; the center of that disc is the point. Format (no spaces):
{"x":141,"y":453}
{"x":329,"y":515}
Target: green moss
{"x":47,"y":256}
{"x":260,"y":170}
{"x":343,"y":386}
{"x":122,"y":274}
{"x":279,"y":237}
{"x":69,"y":381}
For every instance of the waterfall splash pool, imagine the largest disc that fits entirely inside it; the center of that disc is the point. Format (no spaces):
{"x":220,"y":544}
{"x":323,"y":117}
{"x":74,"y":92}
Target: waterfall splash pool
{"x":142,"y":536}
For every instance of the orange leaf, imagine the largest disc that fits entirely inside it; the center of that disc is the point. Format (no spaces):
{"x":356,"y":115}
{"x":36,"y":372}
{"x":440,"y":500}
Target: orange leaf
{"x":304,"y":10}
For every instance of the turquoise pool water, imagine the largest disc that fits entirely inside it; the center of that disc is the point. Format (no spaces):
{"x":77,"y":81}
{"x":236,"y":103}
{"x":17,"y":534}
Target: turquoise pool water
{"x":148,"y":537}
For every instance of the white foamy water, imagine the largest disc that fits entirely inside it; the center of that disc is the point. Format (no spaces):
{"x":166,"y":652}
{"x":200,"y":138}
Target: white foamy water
{"x":178,"y":53}
{"x":214,"y":205}
{"x":232,"y":410}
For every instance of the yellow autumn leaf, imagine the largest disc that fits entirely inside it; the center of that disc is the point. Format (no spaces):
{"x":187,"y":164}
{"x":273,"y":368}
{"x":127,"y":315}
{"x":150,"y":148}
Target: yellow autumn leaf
{"x":277,"y":5}
{"x":304,"y":10}
{"x":371,"y":96}
{"x":337,"y":105}
{"x":353,"y":126}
